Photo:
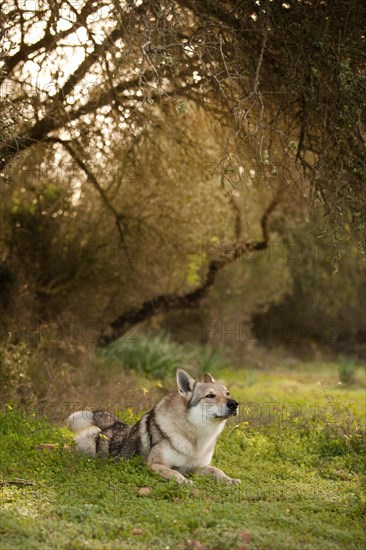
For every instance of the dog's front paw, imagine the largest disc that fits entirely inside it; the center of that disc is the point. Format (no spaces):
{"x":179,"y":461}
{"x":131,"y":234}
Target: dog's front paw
{"x":232,"y":480}
{"x":185,"y":481}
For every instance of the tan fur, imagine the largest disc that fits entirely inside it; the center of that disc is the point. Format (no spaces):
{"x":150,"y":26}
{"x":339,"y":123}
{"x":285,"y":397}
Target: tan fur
{"x":177,"y":437}
{"x":168,"y":473}
{"x":191,"y":438}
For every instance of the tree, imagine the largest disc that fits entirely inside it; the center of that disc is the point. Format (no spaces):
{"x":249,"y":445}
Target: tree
{"x":285,"y":79}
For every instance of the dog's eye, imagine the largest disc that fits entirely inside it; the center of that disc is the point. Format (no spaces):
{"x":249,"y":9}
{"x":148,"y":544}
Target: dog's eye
{"x":210,"y":396}
{"x":228,"y":393}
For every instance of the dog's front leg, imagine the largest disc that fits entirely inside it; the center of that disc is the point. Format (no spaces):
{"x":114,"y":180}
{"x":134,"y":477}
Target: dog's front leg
{"x":168,"y":473}
{"x":217,"y":474}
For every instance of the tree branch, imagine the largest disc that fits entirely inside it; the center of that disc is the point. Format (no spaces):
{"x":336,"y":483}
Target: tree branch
{"x":261,"y":54}
{"x":48,"y":42}
{"x":192,"y":299}
{"x":55,"y":120}
{"x":93,"y":180}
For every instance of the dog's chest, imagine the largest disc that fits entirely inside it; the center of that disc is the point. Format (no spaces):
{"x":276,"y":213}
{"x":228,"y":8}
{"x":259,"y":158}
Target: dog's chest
{"x":189,"y":453}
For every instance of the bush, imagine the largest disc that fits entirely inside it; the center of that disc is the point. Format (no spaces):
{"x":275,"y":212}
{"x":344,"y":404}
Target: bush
{"x":208,"y":359}
{"x":157,"y":356}
{"x":346,"y":369}
{"x":15,"y":385}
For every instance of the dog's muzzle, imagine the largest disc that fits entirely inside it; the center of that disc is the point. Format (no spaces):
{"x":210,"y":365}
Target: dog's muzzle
{"x":232,"y":405}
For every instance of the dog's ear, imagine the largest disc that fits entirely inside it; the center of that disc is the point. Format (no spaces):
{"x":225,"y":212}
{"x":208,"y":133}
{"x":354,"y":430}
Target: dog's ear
{"x":185,"y":382}
{"x":208,"y":379}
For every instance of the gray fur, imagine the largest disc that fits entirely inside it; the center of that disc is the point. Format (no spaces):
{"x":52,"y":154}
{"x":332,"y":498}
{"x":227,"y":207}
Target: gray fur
{"x":177,"y":436}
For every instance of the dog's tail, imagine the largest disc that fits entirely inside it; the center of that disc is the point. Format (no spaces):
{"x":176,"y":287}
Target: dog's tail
{"x":88,"y":425}
{"x":81,"y":420}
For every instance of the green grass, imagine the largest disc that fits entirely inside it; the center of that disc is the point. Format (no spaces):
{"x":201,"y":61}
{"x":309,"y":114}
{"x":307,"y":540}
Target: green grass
{"x":298,"y":447}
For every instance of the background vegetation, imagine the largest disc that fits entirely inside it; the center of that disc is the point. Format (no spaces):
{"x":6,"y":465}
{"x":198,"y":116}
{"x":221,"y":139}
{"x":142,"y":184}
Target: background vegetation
{"x":154,"y":150}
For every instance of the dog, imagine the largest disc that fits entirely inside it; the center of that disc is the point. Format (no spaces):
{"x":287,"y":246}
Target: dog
{"x":177,"y":437}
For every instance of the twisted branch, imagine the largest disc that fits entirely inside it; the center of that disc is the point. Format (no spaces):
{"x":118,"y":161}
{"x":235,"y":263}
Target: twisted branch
{"x":192,"y":299}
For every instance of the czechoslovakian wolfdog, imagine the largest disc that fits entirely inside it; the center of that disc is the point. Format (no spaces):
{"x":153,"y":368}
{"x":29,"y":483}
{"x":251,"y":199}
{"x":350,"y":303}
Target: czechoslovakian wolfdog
{"x":177,"y":436}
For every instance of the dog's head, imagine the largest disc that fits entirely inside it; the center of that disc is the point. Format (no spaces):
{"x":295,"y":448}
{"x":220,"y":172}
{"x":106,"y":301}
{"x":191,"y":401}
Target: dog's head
{"x":206,"y":401}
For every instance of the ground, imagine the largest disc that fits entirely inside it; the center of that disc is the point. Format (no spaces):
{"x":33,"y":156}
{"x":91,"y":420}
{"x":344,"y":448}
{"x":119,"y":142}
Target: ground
{"x":297,"y":446}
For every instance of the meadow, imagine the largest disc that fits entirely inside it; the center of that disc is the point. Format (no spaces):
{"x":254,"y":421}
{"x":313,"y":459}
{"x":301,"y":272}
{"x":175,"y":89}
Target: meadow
{"x":298,"y":447}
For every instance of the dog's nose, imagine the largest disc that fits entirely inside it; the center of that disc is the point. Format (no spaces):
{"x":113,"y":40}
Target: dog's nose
{"x":232,"y":404}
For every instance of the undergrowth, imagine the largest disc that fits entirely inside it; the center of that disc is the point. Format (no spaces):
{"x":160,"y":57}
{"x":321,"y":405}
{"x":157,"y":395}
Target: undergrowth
{"x":159,"y":356}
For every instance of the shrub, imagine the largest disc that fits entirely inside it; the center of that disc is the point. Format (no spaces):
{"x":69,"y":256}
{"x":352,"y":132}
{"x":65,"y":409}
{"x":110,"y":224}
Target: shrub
{"x":157,"y":356}
{"x":15,"y":386}
{"x":208,"y":359}
{"x":346,"y":369}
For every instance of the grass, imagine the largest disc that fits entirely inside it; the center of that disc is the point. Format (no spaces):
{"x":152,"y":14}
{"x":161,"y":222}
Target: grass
{"x":298,"y":447}
{"x":158,"y":356}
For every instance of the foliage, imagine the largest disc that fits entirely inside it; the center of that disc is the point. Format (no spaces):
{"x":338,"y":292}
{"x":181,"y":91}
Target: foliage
{"x":146,"y":123}
{"x":208,"y":358}
{"x":294,"y":98}
{"x":159,"y":356}
{"x":325,"y":304}
{"x":15,"y":382}
{"x":347,"y":368}
{"x":93,"y":225}
{"x":302,"y":480}
{"x":156,"y":356}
